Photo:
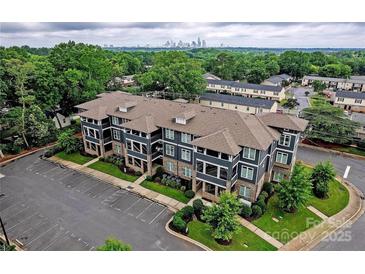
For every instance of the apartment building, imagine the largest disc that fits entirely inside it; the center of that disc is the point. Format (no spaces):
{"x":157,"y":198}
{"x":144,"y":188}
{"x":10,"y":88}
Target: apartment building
{"x":270,"y":92}
{"x":240,"y":103}
{"x":354,"y":83}
{"x":215,"y":149}
{"x":350,"y":101}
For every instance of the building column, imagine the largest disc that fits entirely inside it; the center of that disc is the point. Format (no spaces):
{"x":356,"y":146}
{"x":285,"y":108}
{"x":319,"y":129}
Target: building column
{"x":149,"y":164}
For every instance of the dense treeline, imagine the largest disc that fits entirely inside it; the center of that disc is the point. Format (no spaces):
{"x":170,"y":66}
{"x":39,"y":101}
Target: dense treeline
{"x":36,"y":82}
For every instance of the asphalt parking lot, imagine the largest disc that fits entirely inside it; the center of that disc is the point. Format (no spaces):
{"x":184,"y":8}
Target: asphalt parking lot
{"x":48,"y":207}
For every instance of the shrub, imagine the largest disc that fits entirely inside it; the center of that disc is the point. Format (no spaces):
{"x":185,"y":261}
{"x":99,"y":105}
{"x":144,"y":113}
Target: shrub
{"x":321,"y":189}
{"x":263,"y":196}
{"x":198,"y":205}
{"x":158,"y":180}
{"x":183,"y":188}
{"x":187,"y":213}
{"x":163,"y":181}
{"x":189,"y":194}
{"x":268,"y":188}
{"x":172,"y":183}
{"x":138,"y":173}
{"x":159,"y":171}
{"x":246,"y":211}
{"x":256,"y":211}
{"x":261,"y":203}
{"x":178,"y":223}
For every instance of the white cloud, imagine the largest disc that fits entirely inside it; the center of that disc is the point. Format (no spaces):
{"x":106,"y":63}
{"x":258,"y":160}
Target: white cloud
{"x":155,"y":34}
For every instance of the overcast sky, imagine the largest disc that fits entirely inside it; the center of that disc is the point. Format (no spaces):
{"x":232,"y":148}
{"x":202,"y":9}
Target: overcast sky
{"x":156,"y":34}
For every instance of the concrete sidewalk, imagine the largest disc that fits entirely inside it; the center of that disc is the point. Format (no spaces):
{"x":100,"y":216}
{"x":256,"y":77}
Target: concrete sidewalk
{"x":260,"y":233}
{"x":135,"y":187}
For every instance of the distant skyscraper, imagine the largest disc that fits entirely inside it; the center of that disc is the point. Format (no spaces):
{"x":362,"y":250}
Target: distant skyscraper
{"x":199,"y":42}
{"x":204,"y":44}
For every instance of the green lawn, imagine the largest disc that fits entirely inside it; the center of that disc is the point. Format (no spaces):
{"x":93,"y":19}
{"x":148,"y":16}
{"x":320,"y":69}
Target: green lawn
{"x":75,"y":157}
{"x":166,"y":190}
{"x":318,"y":100}
{"x":113,"y":170}
{"x":289,"y":225}
{"x":243,"y":240}
{"x":338,"y":198}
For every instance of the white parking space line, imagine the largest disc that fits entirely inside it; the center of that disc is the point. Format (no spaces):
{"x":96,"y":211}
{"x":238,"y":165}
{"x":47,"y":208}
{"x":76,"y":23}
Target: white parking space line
{"x":17,"y":203}
{"x":159,"y":214}
{"x":135,"y":202}
{"x":56,"y":239}
{"x":42,"y":234}
{"x":346,"y":174}
{"x":147,"y":207}
{"x":22,"y":221}
{"x":2,"y":175}
{"x":50,"y":170}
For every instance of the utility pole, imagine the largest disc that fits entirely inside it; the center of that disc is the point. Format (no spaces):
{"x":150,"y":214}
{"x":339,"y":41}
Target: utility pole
{"x":6,"y":236}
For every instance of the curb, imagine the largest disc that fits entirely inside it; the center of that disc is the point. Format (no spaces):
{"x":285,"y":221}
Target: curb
{"x":24,"y":155}
{"x":178,"y":235}
{"x":17,"y":247}
{"x":345,"y":154}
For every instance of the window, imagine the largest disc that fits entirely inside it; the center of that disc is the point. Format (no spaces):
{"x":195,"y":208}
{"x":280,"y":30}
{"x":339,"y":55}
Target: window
{"x":186,"y":138}
{"x":284,"y":140}
{"x":186,"y":171}
{"x":117,"y":148}
{"x":224,"y":156}
{"x":116,"y":134}
{"x":136,"y":147}
{"x":223,"y":173}
{"x":200,"y":166}
{"x":115,"y":120}
{"x":249,"y":153}
{"x":247,"y":172}
{"x":210,"y":102}
{"x":282,"y":157}
{"x":212,"y":153}
{"x":170,"y":150}
{"x":186,"y":155}
{"x":144,"y":149}
{"x":169,"y":134}
{"x":210,"y":188}
{"x":262,"y":92}
{"x":276,"y":93}
{"x":245,"y":192}
{"x":234,"y":171}
{"x":129,"y":145}
{"x":340,"y":99}
{"x":358,"y":101}
{"x":222,"y":104}
{"x":278,"y":176}
{"x":211,"y":170}
{"x":170,"y":166}
{"x":255,"y":91}
{"x":200,"y":150}
{"x":248,"y":108}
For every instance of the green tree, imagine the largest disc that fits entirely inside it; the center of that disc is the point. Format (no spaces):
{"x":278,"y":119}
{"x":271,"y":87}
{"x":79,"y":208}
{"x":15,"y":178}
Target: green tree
{"x":335,"y":70}
{"x":291,"y":103}
{"x":221,"y":217}
{"x":318,"y":86}
{"x":68,"y":142}
{"x":113,"y":244}
{"x":294,"y":63}
{"x":257,"y":74}
{"x":329,"y":124}
{"x":295,"y":192}
{"x":322,"y":175}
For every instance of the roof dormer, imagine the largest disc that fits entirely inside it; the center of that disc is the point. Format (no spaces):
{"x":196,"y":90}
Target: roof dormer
{"x":184,"y":117}
{"x":126,"y":106}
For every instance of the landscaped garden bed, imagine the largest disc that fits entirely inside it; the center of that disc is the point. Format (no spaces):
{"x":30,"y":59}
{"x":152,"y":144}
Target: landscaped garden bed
{"x":114,"y":170}
{"x":169,"y":185}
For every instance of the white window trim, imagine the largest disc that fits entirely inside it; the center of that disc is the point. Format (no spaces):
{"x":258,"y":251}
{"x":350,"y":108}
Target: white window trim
{"x":184,"y":153}
{"x":171,"y":150}
{"x":250,"y":150}
{"x":279,"y":159}
{"x":187,"y":171}
{"x":116,"y":134}
{"x":169,"y":134}
{"x":245,"y":176}
{"x":246,"y":191}
{"x":284,"y":143}
{"x":187,"y":139}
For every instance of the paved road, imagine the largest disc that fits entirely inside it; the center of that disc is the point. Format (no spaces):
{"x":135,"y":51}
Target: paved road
{"x":299,"y":94}
{"x":351,"y":238}
{"x":47,"y":207}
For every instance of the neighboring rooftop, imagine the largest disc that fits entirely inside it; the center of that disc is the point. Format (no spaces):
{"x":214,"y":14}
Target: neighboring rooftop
{"x":352,"y":79}
{"x":245,"y":129}
{"x":238,"y":100}
{"x":210,"y":76}
{"x":245,"y":85}
{"x":278,"y":79}
{"x":351,"y":94}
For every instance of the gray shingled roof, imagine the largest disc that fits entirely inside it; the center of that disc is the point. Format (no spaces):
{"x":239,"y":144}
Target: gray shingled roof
{"x":238,"y":100}
{"x":278,"y":79}
{"x":350,"y":94}
{"x":244,"y":85}
{"x":352,"y":79}
{"x":278,"y":120}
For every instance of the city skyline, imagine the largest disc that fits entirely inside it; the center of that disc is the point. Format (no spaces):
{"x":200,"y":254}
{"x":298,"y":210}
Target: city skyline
{"x":268,"y":35}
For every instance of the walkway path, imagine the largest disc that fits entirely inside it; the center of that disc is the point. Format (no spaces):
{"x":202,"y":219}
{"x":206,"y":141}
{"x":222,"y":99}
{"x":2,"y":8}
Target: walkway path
{"x":135,"y":187}
{"x":260,"y":233}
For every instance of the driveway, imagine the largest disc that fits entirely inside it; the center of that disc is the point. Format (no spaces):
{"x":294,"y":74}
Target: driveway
{"x":47,"y":207}
{"x":299,"y":94}
{"x":353,"y":237}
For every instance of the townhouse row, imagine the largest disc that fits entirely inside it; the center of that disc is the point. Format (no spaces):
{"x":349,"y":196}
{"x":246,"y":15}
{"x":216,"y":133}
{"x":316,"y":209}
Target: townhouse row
{"x":354,"y":83}
{"x":214,"y":149}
